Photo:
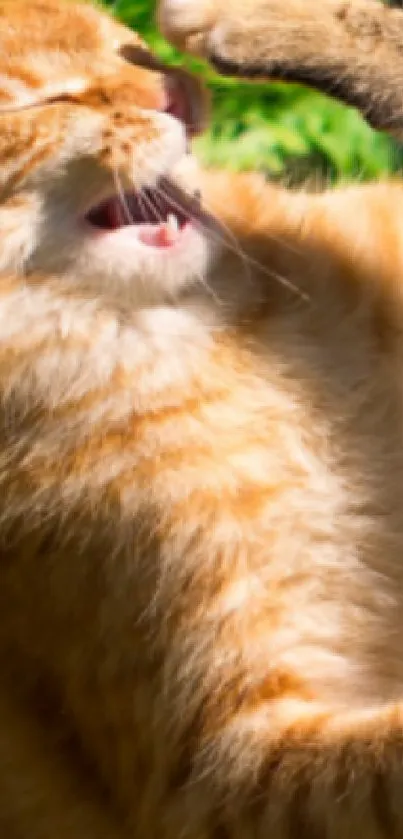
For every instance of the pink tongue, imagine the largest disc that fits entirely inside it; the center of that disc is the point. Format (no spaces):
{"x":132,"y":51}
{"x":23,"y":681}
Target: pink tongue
{"x":158,"y":235}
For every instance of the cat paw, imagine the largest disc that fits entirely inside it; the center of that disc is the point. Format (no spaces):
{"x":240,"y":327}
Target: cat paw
{"x":189,"y":24}
{"x":212,"y":29}
{"x":233,"y":35}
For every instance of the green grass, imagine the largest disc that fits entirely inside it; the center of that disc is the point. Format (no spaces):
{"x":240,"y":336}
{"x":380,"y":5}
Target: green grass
{"x":283,"y":130}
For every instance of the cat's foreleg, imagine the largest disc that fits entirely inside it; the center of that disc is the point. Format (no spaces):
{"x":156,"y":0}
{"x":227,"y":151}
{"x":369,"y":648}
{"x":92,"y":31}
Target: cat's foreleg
{"x":349,"y":49}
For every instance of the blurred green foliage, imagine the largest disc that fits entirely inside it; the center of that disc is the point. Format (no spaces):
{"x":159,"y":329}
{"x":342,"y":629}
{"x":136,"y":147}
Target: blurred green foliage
{"x":284,"y":130}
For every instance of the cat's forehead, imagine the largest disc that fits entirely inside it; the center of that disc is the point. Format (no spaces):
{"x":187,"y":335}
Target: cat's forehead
{"x":43,"y":42}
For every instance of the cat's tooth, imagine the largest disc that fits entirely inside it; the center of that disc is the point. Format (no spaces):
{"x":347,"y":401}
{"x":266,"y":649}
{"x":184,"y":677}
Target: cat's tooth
{"x":172,"y":224}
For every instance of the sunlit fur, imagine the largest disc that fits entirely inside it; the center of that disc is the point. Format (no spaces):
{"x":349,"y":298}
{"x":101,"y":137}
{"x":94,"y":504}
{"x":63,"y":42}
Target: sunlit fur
{"x":201,"y":475}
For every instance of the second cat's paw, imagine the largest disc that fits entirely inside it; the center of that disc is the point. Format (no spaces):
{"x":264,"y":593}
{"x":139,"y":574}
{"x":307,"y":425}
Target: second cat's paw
{"x":189,"y":23}
{"x":236,"y":36}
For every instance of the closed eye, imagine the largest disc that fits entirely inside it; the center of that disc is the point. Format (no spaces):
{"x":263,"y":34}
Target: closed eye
{"x":47,"y":97}
{"x":37,"y":103}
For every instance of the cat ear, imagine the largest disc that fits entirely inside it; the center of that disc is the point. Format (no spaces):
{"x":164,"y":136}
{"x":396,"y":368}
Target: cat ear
{"x":187,"y":98}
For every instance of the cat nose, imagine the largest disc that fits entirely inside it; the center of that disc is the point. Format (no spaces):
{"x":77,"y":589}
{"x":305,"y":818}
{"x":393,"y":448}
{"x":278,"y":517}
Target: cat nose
{"x":186,"y":98}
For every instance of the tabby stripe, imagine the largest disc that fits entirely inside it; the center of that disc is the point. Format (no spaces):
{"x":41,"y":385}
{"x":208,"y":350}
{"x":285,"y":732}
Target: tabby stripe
{"x":300,"y":823}
{"x":381,"y":806}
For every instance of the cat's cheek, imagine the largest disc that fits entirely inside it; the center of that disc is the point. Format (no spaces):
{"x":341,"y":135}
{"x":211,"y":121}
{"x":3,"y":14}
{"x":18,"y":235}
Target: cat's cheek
{"x":149,"y":159}
{"x":187,"y":174}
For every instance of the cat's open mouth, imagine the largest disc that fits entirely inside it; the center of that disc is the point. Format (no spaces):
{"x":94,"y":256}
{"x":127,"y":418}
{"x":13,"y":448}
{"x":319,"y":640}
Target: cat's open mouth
{"x":159,"y":215}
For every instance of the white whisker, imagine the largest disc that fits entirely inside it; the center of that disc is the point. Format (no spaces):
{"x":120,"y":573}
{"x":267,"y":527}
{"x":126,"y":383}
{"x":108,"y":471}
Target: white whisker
{"x":248,"y":261}
{"x":150,"y":203}
{"x":122,"y":197}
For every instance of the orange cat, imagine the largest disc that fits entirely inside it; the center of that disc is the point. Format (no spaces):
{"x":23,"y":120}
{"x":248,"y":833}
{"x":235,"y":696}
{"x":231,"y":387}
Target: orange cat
{"x":201,"y":426}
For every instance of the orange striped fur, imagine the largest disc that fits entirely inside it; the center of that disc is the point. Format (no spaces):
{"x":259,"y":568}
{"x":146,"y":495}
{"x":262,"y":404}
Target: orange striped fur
{"x":201,"y":528}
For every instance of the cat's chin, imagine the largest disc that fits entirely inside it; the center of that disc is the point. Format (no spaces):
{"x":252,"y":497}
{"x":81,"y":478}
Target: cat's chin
{"x":137,"y":246}
{"x":136,"y":264}
{"x":152,"y":242}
